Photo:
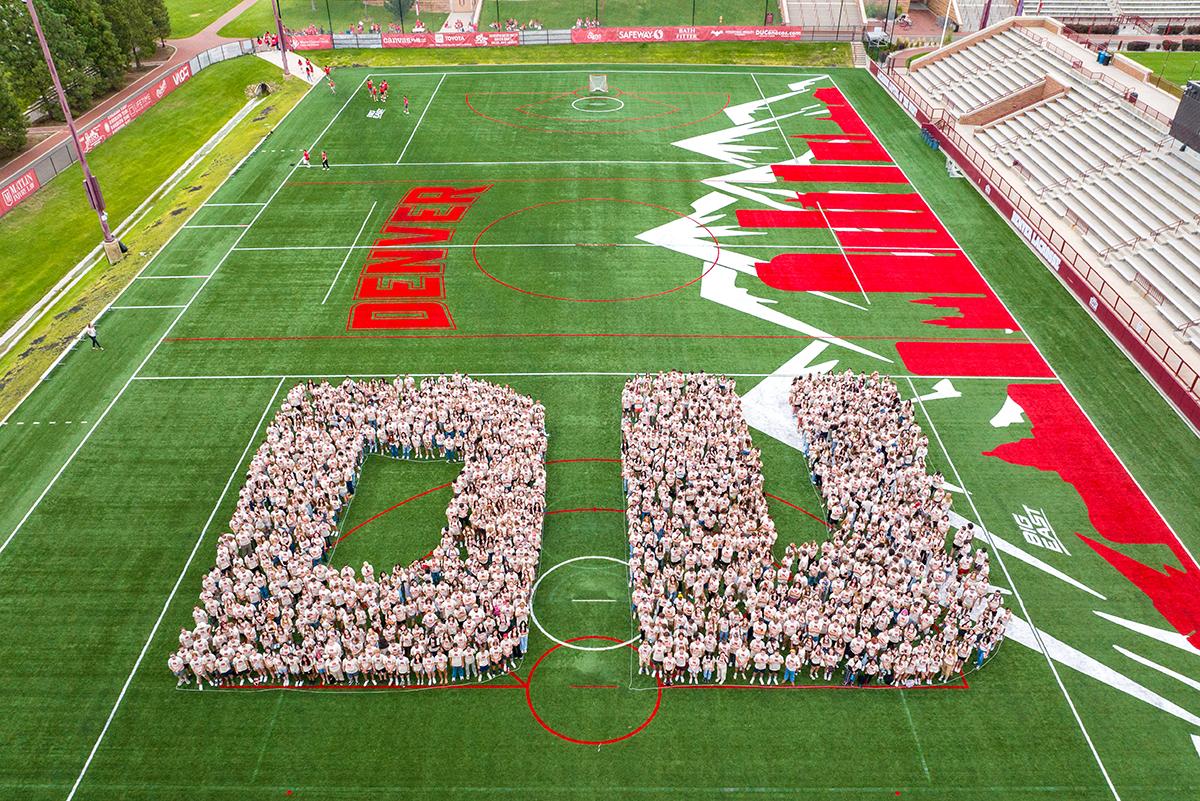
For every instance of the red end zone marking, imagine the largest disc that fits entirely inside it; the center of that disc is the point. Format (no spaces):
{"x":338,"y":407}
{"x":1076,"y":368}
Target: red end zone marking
{"x":560,"y":735}
{"x":488,"y":227}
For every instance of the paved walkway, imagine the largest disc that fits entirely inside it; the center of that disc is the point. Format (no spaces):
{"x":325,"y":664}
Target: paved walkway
{"x":183,"y":51}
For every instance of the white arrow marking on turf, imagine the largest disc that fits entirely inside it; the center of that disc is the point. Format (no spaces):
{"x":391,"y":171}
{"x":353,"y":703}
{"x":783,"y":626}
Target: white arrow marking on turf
{"x":1162,"y":635}
{"x":942,"y":389}
{"x":1010,"y":413}
{"x":1166,"y":671}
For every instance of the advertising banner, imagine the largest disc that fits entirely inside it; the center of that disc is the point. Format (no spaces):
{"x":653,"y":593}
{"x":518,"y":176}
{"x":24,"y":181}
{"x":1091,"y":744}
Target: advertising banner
{"x":310,"y":41}
{"x":132,"y":109}
{"x":475,"y":39}
{"x":17,"y":190}
{"x":701,"y":33}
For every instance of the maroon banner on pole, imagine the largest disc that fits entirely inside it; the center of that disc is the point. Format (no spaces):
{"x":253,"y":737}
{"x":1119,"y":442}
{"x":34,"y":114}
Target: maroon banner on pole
{"x":310,"y":41}
{"x":17,"y":190}
{"x":131,"y":110}
{"x":473,"y":39}
{"x":700,"y":33}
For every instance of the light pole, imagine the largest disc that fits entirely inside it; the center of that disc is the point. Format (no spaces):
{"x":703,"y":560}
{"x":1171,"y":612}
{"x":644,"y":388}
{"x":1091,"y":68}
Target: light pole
{"x":282,"y":39}
{"x":91,"y":187}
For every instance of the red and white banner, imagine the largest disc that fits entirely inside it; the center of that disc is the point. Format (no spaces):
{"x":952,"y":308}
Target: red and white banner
{"x":132,"y":109}
{"x":478,"y":39}
{"x":310,"y":41}
{"x":18,"y":189}
{"x":702,"y":33}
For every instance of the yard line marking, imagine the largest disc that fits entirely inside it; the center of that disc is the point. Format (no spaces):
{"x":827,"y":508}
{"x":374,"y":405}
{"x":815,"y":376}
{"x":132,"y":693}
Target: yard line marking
{"x":525,"y":245}
{"x":349,"y":253}
{"x":421,"y":119}
{"x":778,"y":127}
{"x":917,"y":739}
{"x":842,"y":250}
{"x":572,"y":162}
{"x":1016,"y":592}
{"x":231,"y":225}
{"x":165,"y":277}
{"x":128,"y":382}
{"x":234,"y":204}
{"x":1166,"y":671}
{"x":166,"y":604}
{"x":128,"y":308}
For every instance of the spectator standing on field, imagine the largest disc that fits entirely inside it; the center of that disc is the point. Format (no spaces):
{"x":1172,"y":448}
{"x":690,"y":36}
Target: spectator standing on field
{"x":90,"y":333}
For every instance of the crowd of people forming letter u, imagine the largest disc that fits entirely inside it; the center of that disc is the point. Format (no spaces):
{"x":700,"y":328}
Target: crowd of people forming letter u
{"x":891,"y":594}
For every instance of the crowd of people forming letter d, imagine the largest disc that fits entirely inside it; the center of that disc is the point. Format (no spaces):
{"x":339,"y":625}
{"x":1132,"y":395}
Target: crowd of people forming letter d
{"x":891,"y":595}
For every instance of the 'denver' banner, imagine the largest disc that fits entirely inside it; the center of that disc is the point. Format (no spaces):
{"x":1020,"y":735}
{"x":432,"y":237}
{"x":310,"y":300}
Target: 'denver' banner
{"x":702,"y":33}
{"x":473,"y":39}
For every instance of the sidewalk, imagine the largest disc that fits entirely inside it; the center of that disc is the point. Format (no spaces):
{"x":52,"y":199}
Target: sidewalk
{"x":184,"y":51}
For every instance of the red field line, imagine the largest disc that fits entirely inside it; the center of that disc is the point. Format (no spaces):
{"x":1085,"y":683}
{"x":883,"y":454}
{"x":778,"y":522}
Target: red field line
{"x":568,"y":335}
{"x":798,"y":509}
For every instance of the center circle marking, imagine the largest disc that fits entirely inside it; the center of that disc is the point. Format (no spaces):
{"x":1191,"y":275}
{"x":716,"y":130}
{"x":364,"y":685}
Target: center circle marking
{"x":620,"y":105}
{"x":571,"y":642}
{"x":708,"y":266}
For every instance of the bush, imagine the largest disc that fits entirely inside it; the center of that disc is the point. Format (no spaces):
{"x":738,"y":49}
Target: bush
{"x":1137,"y":47}
{"x":1170,"y":30}
{"x":1192,"y":29}
{"x":1191,"y":45}
{"x":1169,"y":45}
{"x":1103,"y":29}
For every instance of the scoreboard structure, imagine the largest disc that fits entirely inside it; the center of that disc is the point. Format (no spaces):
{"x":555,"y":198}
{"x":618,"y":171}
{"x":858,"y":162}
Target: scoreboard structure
{"x":1186,"y":125}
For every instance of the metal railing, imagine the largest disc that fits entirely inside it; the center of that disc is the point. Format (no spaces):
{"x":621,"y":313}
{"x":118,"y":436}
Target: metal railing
{"x":1125,"y":323}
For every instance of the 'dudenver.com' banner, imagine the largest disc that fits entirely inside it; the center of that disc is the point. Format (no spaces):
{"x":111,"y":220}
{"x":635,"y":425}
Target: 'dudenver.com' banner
{"x":472,"y":39}
{"x":703,"y":33}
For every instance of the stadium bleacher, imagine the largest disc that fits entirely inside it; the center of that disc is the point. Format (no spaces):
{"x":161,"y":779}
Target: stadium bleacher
{"x":1089,"y":158}
{"x":824,"y":13}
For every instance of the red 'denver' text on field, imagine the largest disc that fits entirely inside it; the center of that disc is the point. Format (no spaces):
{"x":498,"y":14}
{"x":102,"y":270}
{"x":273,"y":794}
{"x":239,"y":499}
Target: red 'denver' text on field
{"x":402,"y":285}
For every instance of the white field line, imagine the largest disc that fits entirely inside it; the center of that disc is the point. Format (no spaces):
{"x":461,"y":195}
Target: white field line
{"x":787,"y":142}
{"x":237,"y":468}
{"x":971,"y":500}
{"x":786,"y":71}
{"x":571,"y":162}
{"x":230,"y":225}
{"x":304,"y":376}
{"x":166,"y":277}
{"x":233,"y":204}
{"x":916,"y":738}
{"x":130,"y":308}
{"x":421,"y":119}
{"x":842,"y":250}
{"x":1016,"y":592}
{"x":349,"y":253}
{"x":529,"y":245}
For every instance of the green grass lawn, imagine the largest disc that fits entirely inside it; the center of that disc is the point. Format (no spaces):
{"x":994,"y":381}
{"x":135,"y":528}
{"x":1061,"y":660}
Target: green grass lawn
{"x":1177,"y":67}
{"x":103,"y":568}
{"x":817,"y":54}
{"x":340,"y":14}
{"x":189,"y":17}
{"x":57,"y":221}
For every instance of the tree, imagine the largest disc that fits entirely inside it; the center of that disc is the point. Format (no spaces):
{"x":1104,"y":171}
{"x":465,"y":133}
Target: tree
{"x":12,"y":122}
{"x":104,"y":53}
{"x":159,"y":17}
{"x":21,"y":57}
{"x":132,"y":26}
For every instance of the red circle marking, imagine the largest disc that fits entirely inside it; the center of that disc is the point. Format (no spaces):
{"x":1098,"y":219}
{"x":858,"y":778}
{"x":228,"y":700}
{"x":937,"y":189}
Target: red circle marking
{"x":560,"y":735}
{"x":488,"y":227}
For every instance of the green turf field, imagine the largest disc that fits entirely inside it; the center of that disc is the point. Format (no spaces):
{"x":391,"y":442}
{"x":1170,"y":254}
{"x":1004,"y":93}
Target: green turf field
{"x":327,"y":15}
{"x":572,"y":269}
{"x":189,"y":17}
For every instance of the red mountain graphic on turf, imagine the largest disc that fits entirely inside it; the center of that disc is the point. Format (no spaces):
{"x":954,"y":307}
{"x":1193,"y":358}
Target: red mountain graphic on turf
{"x":1065,"y":442}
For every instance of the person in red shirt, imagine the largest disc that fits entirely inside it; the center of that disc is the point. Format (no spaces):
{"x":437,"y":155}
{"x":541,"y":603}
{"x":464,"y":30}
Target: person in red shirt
{"x":370,"y":88}
{"x":383,"y":90}
{"x":324,"y":160}
{"x":332,"y":89}
{"x":406,"y":104}
{"x":304,"y":159}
